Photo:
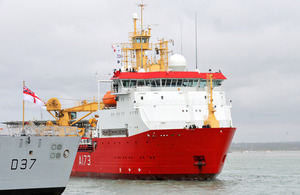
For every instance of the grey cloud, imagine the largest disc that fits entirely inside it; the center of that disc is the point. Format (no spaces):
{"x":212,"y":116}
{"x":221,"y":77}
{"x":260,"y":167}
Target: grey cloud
{"x":58,"y":46}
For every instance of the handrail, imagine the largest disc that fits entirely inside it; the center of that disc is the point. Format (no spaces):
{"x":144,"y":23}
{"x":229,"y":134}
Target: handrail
{"x":59,"y":131}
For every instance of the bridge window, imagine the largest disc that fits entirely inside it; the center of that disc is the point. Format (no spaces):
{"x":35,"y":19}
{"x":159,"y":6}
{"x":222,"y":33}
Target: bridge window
{"x":195,"y":82}
{"x":148,"y":83}
{"x":179,"y":82}
{"x":153,"y":83}
{"x":190,"y":83}
{"x":158,"y":82}
{"x":168,"y":82}
{"x":140,"y":83}
{"x":185,"y":82}
{"x":132,"y":83}
{"x":138,"y":40}
{"x":174,"y":82}
{"x":125,"y":83}
{"x":216,"y":83}
{"x":202,"y":83}
{"x":145,"y":40}
{"x":163,"y":82}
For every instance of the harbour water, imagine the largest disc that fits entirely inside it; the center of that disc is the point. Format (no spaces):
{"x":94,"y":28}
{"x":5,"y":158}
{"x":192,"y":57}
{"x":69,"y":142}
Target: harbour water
{"x":270,"y":172}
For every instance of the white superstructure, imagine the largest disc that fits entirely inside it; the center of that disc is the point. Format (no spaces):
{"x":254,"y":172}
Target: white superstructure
{"x":168,"y":102}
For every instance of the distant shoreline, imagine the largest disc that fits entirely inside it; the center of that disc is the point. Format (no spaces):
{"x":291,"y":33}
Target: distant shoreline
{"x":272,"y":146}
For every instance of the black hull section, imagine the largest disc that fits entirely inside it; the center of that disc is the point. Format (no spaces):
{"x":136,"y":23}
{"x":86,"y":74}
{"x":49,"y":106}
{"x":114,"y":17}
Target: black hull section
{"x":52,"y":191}
{"x":200,"y":177}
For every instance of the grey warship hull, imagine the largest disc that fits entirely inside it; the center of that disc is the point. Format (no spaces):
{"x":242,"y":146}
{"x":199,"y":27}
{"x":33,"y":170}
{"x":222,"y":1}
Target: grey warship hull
{"x":36,"y":164}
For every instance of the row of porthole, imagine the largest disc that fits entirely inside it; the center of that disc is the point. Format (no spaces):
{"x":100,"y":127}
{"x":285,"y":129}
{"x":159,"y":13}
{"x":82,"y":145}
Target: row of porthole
{"x":119,"y":142}
{"x":124,"y":157}
{"x":166,"y":135}
{"x":188,"y":110}
{"x":161,"y":97}
{"x":118,"y":113}
{"x":162,"y":136}
{"x":151,"y":157}
{"x":53,"y":155}
{"x":130,"y":157}
{"x":109,"y":143}
{"x":134,"y":112}
{"x":146,"y":141}
{"x":56,"y":147}
{"x":66,"y":154}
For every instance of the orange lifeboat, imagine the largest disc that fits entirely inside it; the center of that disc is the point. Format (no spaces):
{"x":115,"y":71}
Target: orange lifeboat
{"x":109,"y":100}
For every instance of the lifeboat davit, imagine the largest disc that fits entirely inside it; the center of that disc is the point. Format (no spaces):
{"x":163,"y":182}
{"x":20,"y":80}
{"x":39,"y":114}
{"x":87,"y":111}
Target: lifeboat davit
{"x":109,"y":100}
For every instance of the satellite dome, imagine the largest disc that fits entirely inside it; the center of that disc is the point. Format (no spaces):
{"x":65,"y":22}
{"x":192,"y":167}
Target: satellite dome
{"x":134,"y":16}
{"x":177,"y":62}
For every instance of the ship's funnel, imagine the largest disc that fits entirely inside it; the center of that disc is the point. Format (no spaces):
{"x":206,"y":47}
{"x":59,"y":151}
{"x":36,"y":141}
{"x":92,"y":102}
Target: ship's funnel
{"x":177,"y":62}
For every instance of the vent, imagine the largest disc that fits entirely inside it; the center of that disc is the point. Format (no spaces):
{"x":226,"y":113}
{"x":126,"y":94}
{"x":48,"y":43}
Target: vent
{"x":40,"y":143}
{"x":20,"y":143}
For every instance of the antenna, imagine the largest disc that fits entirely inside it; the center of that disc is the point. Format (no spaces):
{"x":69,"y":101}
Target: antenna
{"x":181,"y":38}
{"x":196,"y":38}
{"x":142,"y":5}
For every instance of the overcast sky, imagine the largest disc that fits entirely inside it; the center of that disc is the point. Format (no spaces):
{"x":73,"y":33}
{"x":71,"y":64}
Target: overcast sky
{"x":57,"y":47}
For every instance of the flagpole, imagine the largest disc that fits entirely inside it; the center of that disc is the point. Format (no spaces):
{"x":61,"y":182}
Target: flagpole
{"x":23,"y":103}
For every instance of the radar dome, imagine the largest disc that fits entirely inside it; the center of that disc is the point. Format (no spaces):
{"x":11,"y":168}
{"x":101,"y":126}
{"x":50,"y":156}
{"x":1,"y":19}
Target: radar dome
{"x":134,"y":16}
{"x":177,"y":62}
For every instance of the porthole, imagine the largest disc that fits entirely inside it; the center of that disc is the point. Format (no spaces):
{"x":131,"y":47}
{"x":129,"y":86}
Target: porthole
{"x":52,"y":155}
{"x":53,"y":147}
{"x":59,"y":146}
{"x":66,"y":153}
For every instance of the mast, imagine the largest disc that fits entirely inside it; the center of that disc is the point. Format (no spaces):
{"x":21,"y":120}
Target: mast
{"x":196,"y":38}
{"x":142,"y":7}
{"x":181,"y":38}
{"x":211,"y":120}
{"x":139,"y":42}
{"x":23,"y":104}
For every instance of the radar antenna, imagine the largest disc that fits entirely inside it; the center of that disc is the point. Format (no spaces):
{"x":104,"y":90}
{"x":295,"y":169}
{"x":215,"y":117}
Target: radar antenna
{"x":142,"y":5}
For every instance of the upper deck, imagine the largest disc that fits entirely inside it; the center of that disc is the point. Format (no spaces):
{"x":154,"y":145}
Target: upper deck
{"x":166,"y":74}
{"x":32,"y":130}
{"x":163,"y":79}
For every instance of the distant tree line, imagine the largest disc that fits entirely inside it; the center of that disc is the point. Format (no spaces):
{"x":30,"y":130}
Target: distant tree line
{"x":274,"y":146}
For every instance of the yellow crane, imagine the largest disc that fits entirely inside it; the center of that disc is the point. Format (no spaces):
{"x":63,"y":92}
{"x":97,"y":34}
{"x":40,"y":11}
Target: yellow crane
{"x":64,"y":116}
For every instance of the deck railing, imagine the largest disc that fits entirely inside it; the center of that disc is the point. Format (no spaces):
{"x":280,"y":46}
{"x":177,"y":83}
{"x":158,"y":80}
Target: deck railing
{"x":59,"y":131}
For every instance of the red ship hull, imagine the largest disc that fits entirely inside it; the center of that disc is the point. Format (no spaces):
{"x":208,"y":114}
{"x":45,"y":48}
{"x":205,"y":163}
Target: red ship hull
{"x":156,"y":154}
